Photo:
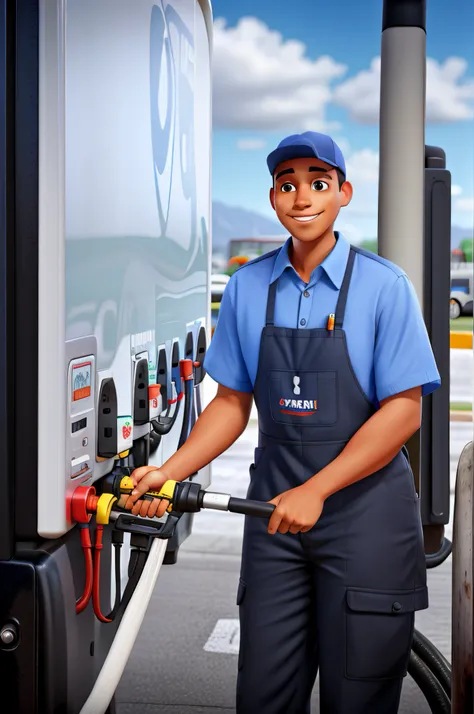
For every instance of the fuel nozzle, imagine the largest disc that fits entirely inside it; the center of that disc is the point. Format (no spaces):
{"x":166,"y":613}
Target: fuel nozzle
{"x":183,"y":497}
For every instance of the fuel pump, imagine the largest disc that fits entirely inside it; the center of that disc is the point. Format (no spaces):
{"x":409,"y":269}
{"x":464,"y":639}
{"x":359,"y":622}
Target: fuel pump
{"x":102,"y":263}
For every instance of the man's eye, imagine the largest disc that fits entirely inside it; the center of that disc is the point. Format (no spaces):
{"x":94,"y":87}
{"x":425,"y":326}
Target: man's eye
{"x":287,"y":187}
{"x":320,"y":185}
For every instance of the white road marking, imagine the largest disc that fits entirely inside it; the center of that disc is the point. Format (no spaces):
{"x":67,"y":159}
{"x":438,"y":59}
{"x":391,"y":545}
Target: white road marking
{"x":225,"y":637}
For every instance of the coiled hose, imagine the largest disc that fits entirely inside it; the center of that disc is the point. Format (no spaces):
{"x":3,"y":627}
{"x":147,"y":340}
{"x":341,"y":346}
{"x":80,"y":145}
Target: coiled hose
{"x":433,"y":658}
{"x":435,"y":695}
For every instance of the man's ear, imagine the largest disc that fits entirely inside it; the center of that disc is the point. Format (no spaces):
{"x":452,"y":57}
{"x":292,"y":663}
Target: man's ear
{"x":347,"y":191}
{"x":272,"y":197}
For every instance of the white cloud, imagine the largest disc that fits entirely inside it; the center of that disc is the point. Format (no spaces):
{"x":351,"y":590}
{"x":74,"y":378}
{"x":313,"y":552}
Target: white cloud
{"x":449,"y":96}
{"x":465,"y":205}
{"x":250,"y":144}
{"x":456,"y":190}
{"x":363,"y":167}
{"x":261,"y":81}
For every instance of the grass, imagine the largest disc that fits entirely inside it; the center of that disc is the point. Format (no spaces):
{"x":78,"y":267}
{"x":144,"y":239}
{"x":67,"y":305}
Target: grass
{"x":462,"y":324}
{"x":460,"y":407}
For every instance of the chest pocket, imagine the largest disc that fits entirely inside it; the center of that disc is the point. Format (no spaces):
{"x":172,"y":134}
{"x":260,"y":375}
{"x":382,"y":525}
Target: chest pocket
{"x":303,"y":398}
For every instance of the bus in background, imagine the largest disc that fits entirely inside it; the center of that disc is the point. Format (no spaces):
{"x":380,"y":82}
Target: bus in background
{"x":243,"y":249}
{"x":460,"y":303}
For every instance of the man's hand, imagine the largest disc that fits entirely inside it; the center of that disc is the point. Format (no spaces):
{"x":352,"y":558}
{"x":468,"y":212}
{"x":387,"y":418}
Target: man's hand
{"x":146,"y":478}
{"x":297,"y":510}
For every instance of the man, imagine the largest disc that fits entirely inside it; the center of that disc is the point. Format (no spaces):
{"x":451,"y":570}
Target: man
{"x":331,"y":342}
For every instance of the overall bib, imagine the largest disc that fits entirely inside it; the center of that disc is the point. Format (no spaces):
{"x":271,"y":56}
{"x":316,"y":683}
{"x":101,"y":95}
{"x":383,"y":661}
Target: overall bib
{"x":340,"y":598}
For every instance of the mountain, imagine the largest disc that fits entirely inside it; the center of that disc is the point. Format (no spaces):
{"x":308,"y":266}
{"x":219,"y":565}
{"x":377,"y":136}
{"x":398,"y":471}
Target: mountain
{"x":233,"y":222}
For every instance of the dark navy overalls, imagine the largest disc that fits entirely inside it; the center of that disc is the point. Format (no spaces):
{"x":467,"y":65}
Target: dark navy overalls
{"x":340,"y":598}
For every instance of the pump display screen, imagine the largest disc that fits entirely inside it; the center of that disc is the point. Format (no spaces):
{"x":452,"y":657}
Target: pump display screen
{"x":81,"y":381}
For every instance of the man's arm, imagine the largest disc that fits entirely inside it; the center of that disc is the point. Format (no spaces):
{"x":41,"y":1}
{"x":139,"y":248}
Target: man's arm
{"x":218,"y":427}
{"x":374,"y":445}
{"x":220,"y":424}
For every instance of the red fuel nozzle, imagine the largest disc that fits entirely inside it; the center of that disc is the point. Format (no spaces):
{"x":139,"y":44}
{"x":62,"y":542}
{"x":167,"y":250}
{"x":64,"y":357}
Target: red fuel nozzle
{"x":186,"y":369}
{"x":154,"y":391}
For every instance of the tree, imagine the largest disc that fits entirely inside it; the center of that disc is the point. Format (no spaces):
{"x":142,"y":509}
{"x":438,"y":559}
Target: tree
{"x":370,"y":244}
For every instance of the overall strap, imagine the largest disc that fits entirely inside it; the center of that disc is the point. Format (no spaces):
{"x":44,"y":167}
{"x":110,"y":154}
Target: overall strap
{"x":272,"y":291}
{"x":341,"y":303}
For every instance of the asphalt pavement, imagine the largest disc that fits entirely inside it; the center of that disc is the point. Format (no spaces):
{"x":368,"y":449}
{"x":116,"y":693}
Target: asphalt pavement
{"x":185,"y":657}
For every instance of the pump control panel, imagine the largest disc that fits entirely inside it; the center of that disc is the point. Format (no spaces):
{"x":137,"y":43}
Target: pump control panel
{"x":81,"y":417}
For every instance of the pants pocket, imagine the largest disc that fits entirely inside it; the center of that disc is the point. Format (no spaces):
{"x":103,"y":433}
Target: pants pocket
{"x":379,"y":632}
{"x":240,"y":599}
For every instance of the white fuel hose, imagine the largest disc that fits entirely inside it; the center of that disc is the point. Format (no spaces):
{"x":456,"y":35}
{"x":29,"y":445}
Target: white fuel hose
{"x":120,"y":651}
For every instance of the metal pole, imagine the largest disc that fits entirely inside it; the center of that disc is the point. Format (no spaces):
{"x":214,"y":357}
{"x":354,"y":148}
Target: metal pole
{"x":402,"y":150}
{"x":402,"y":137}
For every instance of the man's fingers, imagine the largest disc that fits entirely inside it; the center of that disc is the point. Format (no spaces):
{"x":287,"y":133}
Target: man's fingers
{"x":295,"y":529}
{"x":284,"y":527}
{"x":145,"y":505}
{"x":137,"y":506}
{"x":129,"y":503}
{"x":153,"y":507}
{"x":162,"y":508}
{"x":275,"y":519}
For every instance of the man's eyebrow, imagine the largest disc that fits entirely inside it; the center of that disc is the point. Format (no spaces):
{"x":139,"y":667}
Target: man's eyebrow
{"x":282,"y":173}
{"x":320,"y":169}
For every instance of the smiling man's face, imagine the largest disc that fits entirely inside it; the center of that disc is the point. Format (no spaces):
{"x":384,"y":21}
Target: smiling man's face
{"x":307,"y":198}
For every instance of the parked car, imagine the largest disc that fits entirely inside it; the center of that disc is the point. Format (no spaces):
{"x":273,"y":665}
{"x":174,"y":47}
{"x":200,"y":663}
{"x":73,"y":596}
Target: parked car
{"x":461,"y":291}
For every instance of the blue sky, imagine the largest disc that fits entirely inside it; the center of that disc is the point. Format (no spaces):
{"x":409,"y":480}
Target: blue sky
{"x":265,"y":89}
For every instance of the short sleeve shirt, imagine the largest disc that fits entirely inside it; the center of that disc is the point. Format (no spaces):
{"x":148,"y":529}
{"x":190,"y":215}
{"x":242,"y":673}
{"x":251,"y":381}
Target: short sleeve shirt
{"x":387,"y":340}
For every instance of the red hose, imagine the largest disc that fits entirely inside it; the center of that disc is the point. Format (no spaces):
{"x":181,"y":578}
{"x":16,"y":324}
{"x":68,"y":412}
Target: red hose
{"x":96,"y":588}
{"x":81,"y":604}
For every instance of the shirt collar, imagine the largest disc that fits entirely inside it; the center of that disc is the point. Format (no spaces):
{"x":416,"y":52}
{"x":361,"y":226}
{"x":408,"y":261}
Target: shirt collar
{"x":334,"y":265}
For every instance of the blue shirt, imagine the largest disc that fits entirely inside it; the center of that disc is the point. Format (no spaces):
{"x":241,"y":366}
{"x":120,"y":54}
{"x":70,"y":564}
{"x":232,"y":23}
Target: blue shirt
{"x":387,"y":341}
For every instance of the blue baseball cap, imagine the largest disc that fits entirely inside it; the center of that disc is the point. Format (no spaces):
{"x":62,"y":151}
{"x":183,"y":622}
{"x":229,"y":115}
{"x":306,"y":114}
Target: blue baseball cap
{"x":307,"y":145}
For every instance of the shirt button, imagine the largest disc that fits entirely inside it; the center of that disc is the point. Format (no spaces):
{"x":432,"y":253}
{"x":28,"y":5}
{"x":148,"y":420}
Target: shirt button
{"x":303,"y":321}
{"x":306,"y":293}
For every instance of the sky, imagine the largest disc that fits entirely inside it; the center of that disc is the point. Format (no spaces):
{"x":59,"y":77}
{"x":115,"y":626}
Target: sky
{"x":284,"y":67}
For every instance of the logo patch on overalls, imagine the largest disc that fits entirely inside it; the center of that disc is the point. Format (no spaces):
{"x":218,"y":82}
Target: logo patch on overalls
{"x":298,"y":407}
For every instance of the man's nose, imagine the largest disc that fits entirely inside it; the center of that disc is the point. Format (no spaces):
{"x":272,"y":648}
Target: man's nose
{"x":302,"y":198}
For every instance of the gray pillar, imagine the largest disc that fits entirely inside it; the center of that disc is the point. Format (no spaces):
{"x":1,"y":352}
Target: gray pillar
{"x":402,"y":137}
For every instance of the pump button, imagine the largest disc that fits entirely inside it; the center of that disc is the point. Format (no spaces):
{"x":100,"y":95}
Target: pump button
{"x":7,"y":635}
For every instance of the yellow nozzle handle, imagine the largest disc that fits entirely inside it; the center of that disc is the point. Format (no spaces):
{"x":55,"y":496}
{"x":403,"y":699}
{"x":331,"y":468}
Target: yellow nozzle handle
{"x":104,"y":506}
{"x":126,"y":485}
{"x":166,"y":492}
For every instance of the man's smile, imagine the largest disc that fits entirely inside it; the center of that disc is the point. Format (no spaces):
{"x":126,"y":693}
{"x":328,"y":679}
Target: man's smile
{"x":305,"y":219}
